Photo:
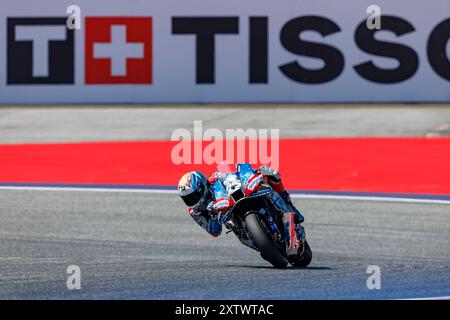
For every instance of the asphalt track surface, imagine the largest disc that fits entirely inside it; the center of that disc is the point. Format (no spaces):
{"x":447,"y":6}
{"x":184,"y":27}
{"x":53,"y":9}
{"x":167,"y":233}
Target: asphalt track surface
{"x":145,"y":246}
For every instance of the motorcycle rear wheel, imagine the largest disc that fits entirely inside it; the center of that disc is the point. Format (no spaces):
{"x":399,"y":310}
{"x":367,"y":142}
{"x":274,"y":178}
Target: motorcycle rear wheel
{"x":264,"y":242}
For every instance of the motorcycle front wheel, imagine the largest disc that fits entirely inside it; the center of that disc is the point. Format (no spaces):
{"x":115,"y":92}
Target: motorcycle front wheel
{"x":305,"y":259}
{"x":264,"y":242}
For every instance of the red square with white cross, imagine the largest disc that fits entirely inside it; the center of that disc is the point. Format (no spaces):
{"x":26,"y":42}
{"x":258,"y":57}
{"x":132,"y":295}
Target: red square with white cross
{"x":118,"y":50}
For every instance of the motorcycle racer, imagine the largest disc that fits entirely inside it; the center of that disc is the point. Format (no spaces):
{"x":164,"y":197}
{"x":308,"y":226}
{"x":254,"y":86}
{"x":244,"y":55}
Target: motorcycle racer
{"x":194,"y":190}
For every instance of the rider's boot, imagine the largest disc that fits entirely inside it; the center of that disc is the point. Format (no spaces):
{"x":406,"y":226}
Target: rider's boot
{"x":287,"y":198}
{"x":275,"y":182}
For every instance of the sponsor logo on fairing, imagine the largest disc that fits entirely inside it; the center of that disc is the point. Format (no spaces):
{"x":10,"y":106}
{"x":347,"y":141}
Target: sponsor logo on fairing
{"x":223,"y":205}
{"x":254,"y":182}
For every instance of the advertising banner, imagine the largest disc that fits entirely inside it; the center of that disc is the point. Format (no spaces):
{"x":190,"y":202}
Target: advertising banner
{"x":193,"y":51}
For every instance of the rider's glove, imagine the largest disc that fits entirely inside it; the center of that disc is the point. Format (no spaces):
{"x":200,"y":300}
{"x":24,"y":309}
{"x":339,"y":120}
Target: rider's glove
{"x":210,"y":208}
{"x":270,"y":173}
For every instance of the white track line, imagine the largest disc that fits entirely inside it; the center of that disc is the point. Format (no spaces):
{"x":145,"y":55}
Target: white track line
{"x":431,"y":298}
{"x":368,"y":198}
{"x":164,"y":191}
{"x":75,"y":189}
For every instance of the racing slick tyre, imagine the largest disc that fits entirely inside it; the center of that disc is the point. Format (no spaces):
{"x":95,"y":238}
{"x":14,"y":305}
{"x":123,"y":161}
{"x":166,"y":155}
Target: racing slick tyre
{"x":305,"y":258}
{"x":264,"y":242}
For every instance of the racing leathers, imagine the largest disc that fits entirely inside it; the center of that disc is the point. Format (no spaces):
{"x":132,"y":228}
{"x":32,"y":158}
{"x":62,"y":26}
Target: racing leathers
{"x":207,"y":218}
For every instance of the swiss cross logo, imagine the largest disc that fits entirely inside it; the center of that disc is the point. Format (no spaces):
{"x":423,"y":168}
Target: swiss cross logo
{"x":118,"y":50}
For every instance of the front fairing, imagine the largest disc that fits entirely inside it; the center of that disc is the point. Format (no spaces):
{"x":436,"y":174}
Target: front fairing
{"x":260,"y":193}
{"x":218,"y":190}
{"x":245,"y":172}
{"x":249,"y":184}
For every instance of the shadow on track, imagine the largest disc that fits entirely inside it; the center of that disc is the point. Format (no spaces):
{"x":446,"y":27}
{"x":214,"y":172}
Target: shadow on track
{"x":272,"y":268}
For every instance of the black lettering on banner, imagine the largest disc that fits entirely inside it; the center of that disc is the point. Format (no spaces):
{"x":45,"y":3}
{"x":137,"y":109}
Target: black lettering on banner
{"x":258,"y":49}
{"x":407,"y":57}
{"x":333,"y":58}
{"x":205,"y":29}
{"x":436,"y":49}
{"x":40,"y":51}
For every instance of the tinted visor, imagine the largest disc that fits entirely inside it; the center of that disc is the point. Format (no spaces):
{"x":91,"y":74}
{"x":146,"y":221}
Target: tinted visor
{"x":192,"y":198}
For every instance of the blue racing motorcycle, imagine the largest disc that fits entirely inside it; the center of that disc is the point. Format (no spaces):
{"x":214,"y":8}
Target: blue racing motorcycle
{"x":243,"y":200}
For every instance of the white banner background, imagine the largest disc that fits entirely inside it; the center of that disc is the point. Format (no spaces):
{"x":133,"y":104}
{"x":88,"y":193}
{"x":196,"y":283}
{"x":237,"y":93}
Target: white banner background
{"x":174,"y":78}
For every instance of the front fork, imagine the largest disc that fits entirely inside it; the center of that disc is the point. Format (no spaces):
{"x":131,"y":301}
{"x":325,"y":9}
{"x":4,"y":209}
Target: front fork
{"x":229,"y":224}
{"x":294,"y":233}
